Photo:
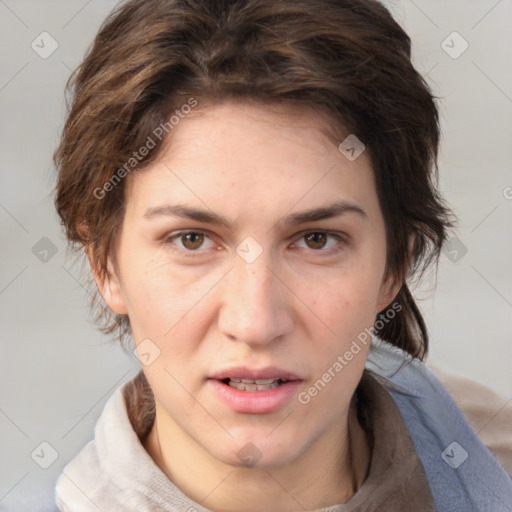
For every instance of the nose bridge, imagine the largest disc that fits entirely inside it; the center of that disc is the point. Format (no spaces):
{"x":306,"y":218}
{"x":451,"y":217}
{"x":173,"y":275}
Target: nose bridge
{"x":253,"y":308}
{"x":253,"y":285}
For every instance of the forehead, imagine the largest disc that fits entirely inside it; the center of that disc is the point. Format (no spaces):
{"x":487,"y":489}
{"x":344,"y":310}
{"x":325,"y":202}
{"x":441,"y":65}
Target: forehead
{"x":235,"y":155}
{"x":297,"y":122}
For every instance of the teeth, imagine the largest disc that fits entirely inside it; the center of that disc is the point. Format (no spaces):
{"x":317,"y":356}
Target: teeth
{"x":254,"y":385}
{"x":260,"y":381}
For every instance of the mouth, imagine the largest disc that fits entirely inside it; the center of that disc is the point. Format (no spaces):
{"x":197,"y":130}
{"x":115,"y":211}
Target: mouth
{"x":254,"y":384}
{"x":254,"y":391}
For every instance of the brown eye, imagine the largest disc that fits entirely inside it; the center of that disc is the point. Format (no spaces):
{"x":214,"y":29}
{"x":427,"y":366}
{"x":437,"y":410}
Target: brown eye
{"x":192,"y":240}
{"x":323,"y":243}
{"x":316,"y":240}
{"x":190,"y":244}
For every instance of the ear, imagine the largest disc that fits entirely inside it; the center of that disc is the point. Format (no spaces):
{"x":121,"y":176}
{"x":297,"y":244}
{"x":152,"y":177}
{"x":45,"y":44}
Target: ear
{"x":388,"y":291}
{"x":392,"y":285}
{"x":108,"y":285}
{"x":111,"y":290}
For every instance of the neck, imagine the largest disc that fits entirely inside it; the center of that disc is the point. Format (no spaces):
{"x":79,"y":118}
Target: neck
{"x":330,"y":471}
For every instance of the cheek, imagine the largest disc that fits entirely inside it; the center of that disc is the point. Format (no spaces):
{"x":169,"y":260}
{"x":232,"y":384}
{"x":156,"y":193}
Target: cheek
{"x":348,"y":307}
{"x":163,"y":300}
{"x":346,"y":303}
{"x":165,"y":304}
{"x":153,"y":297}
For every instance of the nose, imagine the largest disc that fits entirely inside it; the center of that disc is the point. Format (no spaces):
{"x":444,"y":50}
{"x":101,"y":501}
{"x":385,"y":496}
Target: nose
{"x":256,"y":304}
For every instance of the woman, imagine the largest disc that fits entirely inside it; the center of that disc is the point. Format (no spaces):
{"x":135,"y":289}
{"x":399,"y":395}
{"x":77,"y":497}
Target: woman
{"x":254,"y":184}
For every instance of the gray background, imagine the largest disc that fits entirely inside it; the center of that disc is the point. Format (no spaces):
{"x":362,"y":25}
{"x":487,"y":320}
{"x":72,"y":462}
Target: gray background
{"x":57,"y":371}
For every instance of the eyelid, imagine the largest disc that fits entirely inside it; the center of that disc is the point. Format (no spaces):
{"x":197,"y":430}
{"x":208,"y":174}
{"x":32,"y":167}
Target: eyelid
{"x":337,"y":234}
{"x":168,"y":239}
{"x":342,"y":237}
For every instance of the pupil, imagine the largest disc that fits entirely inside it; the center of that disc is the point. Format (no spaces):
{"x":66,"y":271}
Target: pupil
{"x":193,"y":244}
{"x":314,"y":237}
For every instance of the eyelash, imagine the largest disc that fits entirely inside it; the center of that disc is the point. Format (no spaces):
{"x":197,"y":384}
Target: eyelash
{"x":167,"y":242}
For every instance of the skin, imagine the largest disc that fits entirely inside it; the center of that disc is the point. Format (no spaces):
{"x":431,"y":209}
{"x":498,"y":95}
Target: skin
{"x":296,"y":306}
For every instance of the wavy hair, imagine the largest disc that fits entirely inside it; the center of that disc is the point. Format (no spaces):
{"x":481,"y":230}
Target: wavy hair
{"x":348,"y":58}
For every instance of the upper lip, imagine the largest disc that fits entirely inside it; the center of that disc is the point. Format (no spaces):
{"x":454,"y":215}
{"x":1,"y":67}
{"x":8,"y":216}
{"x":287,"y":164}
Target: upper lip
{"x":240,"y":372}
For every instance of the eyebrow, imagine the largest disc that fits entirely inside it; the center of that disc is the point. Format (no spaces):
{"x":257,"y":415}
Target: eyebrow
{"x":323,"y":212}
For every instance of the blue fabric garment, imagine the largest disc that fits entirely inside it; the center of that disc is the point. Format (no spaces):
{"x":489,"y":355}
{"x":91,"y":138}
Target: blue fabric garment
{"x":463,"y":474}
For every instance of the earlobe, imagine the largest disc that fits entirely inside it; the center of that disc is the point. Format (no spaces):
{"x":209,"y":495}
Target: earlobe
{"x":111,"y":291}
{"x":389,"y":291}
{"x":392,"y":285}
{"x":108,"y":285}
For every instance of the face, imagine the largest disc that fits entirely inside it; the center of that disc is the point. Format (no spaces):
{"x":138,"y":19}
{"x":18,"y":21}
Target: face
{"x":267,"y":292}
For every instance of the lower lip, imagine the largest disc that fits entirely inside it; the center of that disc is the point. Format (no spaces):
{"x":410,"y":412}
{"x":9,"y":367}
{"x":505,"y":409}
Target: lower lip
{"x":255,"y":402}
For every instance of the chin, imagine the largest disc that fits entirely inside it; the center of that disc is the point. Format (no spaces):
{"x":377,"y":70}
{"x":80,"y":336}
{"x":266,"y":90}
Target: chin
{"x":256,"y":452}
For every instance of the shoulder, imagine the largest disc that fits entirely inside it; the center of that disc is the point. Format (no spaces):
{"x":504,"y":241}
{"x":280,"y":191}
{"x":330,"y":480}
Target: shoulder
{"x":90,"y":478}
{"x":81,"y":481}
{"x":488,"y":414}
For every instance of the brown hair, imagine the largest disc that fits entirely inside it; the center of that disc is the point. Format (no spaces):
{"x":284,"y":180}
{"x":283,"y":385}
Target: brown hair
{"x":348,"y":58}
